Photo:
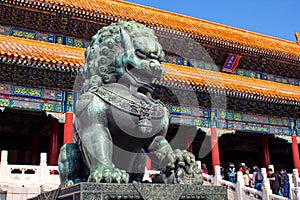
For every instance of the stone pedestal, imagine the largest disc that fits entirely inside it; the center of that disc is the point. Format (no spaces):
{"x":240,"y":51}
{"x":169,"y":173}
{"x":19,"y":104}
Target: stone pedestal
{"x":142,"y":191}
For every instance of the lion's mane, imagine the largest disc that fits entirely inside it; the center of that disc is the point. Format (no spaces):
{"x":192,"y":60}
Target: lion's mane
{"x":104,"y":61}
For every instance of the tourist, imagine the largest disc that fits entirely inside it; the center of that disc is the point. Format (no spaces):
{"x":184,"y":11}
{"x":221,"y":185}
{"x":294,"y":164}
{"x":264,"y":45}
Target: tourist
{"x":277,"y":174}
{"x":242,"y":167}
{"x":231,"y":173}
{"x":274,"y":181}
{"x":247,"y":178}
{"x":285,"y":183}
{"x":257,"y":178}
{"x":254,"y":168}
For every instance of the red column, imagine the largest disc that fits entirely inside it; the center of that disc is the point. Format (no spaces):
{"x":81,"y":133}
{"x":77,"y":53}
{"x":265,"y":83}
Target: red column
{"x":34,"y":149}
{"x":68,"y":127}
{"x":214,"y":148}
{"x":54,"y":143}
{"x":295,"y":151}
{"x":265,"y":152}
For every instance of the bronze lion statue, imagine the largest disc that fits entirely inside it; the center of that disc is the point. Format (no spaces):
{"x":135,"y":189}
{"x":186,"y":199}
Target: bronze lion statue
{"x":117,"y":120}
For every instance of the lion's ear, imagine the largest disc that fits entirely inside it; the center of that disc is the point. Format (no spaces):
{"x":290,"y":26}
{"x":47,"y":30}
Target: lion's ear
{"x":126,"y":41}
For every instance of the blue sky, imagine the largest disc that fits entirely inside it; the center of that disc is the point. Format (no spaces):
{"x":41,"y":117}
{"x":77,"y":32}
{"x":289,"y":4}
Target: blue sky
{"x":277,"y":18}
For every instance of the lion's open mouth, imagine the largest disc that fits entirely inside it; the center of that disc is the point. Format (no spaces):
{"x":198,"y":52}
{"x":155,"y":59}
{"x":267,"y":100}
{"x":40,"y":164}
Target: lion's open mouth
{"x":140,"y":75}
{"x":146,"y":74}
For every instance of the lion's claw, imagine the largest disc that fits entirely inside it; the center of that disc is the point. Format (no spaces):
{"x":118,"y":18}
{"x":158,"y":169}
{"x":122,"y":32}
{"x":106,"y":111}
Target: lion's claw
{"x":108,"y":175}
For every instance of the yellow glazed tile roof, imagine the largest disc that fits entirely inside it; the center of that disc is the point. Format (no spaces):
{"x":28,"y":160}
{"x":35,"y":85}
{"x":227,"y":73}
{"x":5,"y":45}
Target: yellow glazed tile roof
{"x":42,"y":52}
{"x":152,"y":16}
{"x":212,"y":79}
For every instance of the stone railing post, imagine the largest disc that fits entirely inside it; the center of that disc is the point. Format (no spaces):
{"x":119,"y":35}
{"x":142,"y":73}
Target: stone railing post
{"x":239,"y":184}
{"x":294,"y":185}
{"x":271,"y":167}
{"x":3,"y":171}
{"x":43,"y":168}
{"x":295,"y":177}
{"x":296,"y":194}
{"x":217,"y":175}
{"x":266,"y":184}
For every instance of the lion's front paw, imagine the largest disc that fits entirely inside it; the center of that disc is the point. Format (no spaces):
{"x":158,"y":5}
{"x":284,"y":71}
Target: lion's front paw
{"x":184,"y":159}
{"x":181,"y":168}
{"x":108,"y":175}
{"x":186,"y":169}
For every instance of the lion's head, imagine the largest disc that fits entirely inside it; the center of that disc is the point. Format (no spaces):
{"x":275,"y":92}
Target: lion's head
{"x":123,"y":50}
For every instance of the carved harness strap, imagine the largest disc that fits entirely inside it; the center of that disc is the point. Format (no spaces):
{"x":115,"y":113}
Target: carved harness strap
{"x":140,"y":109}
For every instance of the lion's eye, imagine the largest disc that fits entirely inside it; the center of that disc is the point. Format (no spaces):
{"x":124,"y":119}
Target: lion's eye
{"x":140,"y":54}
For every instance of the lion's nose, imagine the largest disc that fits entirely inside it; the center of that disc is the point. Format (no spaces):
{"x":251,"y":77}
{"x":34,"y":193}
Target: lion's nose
{"x":156,"y":68}
{"x":153,"y":65}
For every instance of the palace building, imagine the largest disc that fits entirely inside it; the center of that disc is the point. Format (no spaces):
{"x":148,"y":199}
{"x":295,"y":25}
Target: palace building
{"x":233,"y":95}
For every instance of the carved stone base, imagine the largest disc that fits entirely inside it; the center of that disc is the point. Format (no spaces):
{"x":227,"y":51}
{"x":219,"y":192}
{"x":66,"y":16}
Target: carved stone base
{"x":142,"y":191}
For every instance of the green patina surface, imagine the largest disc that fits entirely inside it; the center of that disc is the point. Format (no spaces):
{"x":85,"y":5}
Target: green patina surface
{"x":117,"y":117}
